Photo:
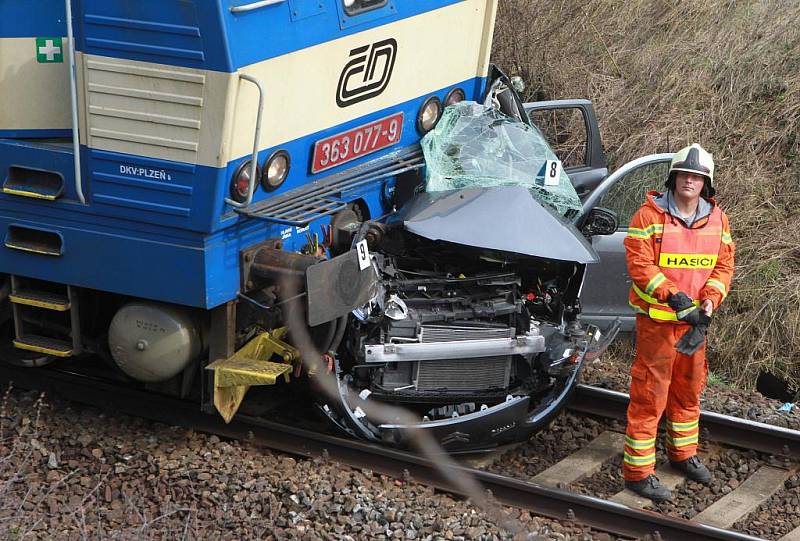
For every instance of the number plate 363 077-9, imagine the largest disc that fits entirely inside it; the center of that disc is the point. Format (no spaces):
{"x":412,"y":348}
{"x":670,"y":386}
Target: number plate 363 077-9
{"x":360,"y":141}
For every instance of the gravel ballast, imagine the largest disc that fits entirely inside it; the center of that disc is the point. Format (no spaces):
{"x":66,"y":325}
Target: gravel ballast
{"x":567,"y":434}
{"x":73,"y":472}
{"x":777,"y":516}
{"x":70,"y":472}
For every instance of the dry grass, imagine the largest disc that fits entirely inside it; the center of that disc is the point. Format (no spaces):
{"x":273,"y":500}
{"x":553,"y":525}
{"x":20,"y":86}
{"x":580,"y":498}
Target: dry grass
{"x":662,"y":74}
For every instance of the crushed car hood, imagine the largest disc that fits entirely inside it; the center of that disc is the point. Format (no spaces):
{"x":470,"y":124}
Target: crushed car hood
{"x":506,"y":218}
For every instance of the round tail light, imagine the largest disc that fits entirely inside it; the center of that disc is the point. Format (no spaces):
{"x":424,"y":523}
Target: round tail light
{"x":240,"y":184}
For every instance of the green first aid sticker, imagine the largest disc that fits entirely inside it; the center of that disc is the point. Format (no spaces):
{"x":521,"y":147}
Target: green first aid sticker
{"x":49,"y":50}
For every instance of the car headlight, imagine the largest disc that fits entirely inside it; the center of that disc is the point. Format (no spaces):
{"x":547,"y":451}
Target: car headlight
{"x":454,"y":96}
{"x":276,"y":169}
{"x":240,"y":184}
{"x":429,"y":114}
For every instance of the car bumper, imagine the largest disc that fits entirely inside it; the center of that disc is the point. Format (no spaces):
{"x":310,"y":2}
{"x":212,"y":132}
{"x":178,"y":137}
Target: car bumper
{"x":511,"y":421}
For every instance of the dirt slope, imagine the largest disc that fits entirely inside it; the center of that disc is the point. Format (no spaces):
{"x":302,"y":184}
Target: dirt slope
{"x":662,"y":74}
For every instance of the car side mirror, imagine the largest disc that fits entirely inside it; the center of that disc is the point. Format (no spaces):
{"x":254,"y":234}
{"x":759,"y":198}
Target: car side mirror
{"x":600,"y":221}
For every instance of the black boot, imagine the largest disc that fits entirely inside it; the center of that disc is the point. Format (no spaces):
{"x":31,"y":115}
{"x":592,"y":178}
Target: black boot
{"x":650,"y":487}
{"x":693,"y":469}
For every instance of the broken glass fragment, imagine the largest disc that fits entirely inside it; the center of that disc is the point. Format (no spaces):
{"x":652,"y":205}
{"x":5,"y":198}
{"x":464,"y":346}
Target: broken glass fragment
{"x":475,"y":146}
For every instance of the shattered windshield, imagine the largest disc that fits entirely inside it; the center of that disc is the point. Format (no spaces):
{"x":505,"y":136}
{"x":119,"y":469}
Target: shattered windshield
{"x":474,"y":146}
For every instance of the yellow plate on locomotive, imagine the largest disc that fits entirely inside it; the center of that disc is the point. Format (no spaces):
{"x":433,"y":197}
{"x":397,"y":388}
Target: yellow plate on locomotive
{"x":249,"y":366}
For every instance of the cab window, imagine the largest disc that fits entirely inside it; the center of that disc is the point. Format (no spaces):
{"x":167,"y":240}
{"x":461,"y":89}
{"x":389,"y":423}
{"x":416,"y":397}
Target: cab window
{"x":565,"y":130}
{"x":627,"y":195}
{"x":354,"y":7}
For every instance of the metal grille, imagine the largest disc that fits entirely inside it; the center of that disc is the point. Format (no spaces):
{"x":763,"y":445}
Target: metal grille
{"x":453,"y":333}
{"x":464,"y":375}
{"x":141,"y":110}
{"x":322,"y":198}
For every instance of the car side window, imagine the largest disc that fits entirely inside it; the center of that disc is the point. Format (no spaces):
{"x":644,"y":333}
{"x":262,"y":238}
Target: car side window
{"x":565,"y":130}
{"x":628,"y":193}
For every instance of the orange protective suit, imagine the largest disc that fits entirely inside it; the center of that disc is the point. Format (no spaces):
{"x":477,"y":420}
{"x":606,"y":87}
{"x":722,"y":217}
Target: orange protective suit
{"x":665,"y":257}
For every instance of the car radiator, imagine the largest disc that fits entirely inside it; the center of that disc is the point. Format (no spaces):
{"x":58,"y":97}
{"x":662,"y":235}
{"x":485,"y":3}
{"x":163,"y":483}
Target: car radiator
{"x":468,"y":374}
{"x":476,"y":374}
{"x":453,"y":333}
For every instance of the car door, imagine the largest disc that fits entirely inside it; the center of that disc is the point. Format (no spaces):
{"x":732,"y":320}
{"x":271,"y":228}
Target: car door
{"x":570,"y":126}
{"x":604,"y":296}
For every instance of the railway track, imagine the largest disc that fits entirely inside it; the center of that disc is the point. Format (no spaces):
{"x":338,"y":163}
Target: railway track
{"x":715,"y":426}
{"x":621,"y":516}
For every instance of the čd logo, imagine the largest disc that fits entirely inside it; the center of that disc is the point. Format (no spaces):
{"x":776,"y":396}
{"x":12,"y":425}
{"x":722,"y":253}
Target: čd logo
{"x":367,"y":73}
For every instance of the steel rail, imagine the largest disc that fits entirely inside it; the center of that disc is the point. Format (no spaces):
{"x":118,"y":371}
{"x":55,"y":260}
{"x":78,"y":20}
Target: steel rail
{"x":721,"y":428}
{"x":554,"y":503}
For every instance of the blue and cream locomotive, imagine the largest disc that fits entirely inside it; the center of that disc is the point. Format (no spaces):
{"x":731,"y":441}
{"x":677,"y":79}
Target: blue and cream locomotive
{"x":171,"y":167}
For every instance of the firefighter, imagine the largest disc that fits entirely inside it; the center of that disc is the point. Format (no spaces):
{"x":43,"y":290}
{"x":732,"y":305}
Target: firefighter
{"x":680,"y":258}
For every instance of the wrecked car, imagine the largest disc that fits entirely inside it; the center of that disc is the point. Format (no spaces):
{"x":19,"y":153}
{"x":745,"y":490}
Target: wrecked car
{"x":473,"y":322}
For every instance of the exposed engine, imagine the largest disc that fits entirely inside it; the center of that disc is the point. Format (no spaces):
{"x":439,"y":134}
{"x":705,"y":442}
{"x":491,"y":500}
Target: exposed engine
{"x":459,"y":327}
{"x":473,"y":340}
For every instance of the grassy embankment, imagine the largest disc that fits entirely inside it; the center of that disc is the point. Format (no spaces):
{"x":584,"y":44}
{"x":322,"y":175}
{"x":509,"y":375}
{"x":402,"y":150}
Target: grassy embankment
{"x":661,"y":75}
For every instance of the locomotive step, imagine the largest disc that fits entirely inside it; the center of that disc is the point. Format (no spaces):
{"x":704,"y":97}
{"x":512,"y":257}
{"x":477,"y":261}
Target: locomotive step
{"x":41,"y":299}
{"x":44,"y":344}
{"x":33,"y":183}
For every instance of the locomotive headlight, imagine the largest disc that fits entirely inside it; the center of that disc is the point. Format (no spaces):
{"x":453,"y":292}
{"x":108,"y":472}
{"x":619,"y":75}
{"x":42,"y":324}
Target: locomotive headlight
{"x":454,"y":96}
{"x":276,"y":169}
{"x":240,"y":185}
{"x":429,"y":114}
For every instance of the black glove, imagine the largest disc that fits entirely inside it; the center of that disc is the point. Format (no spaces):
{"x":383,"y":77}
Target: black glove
{"x":694,"y":337}
{"x":684,"y":308}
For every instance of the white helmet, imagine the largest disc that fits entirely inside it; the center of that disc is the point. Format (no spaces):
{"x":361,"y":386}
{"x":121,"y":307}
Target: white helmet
{"x":693,"y":159}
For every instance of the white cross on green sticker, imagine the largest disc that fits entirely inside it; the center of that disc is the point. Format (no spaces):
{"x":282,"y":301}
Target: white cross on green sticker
{"x":49,"y":50}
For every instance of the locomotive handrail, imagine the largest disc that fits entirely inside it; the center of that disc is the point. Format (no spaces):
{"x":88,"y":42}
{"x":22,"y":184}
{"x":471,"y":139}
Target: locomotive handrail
{"x":73,"y":92}
{"x":255,"y":5}
{"x":254,"y":157}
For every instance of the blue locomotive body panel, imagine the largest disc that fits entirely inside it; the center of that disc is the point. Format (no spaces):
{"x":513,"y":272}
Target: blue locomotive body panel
{"x":218,"y":39}
{"x":155,"y":224}
{"x":26,"y":19}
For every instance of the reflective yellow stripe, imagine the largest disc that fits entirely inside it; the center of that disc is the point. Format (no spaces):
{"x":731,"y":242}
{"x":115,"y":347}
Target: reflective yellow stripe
{"x":663,"y":315}
{"x":719,"y":285}
{"x":645,"y":233}
{"x":682,"y":426}
{"x":682,"y":442}
{"x":687,"y":261}
{"x":657,"y":310}
{"x":683,"y":313}
{"x":636,"y":309}
{"x":645,"y":297}
{"x":654,"y":282}
{"x":637,"y":233}
{"x":639,"y":444}
{"x":726,"y":237}
{"x":640,"y":460}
